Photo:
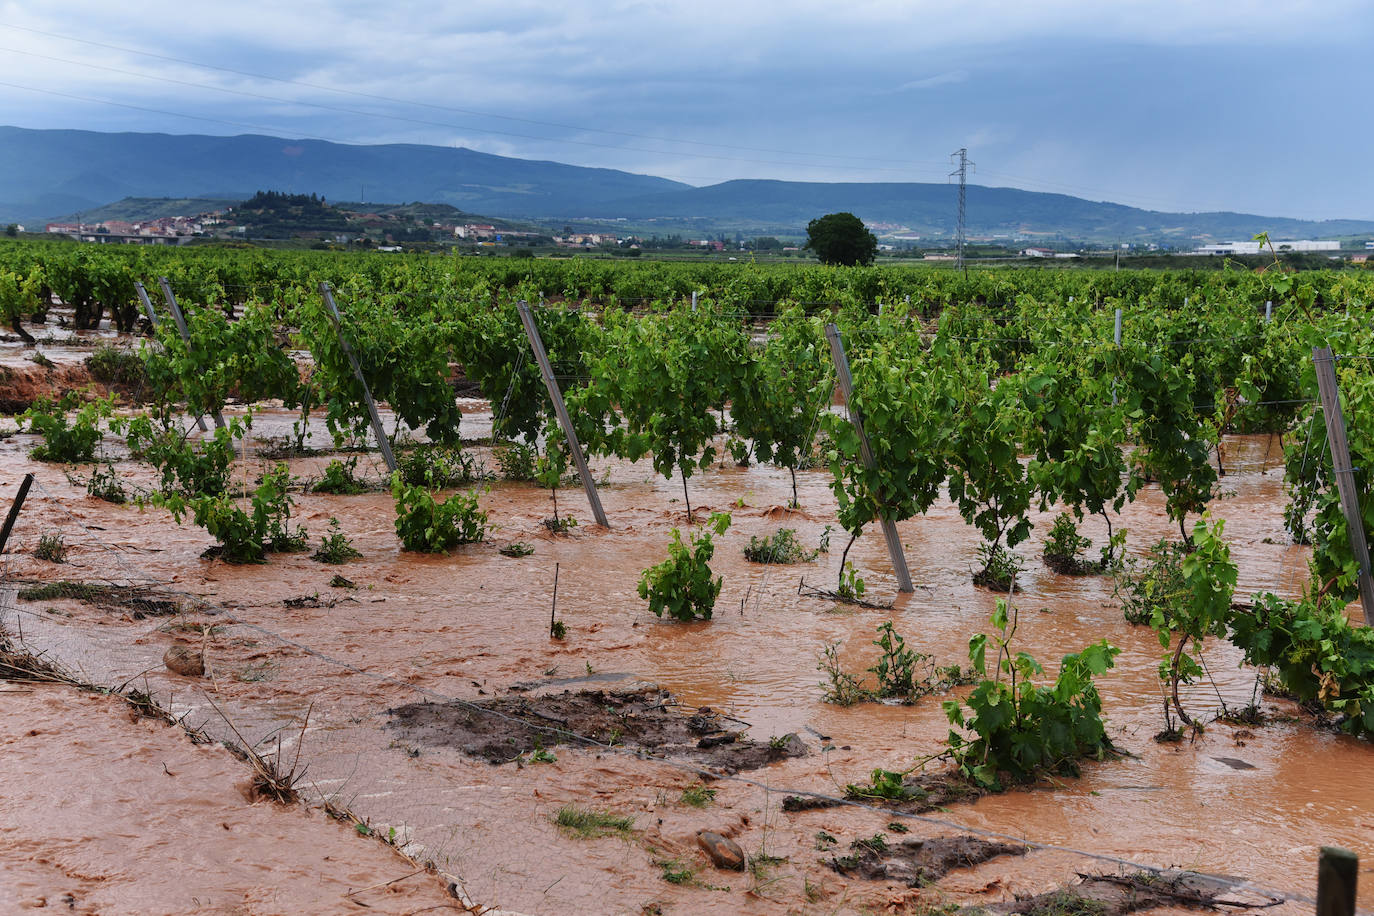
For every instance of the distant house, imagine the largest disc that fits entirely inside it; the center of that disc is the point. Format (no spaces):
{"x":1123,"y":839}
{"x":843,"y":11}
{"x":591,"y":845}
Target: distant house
{"x":1037,"y":252}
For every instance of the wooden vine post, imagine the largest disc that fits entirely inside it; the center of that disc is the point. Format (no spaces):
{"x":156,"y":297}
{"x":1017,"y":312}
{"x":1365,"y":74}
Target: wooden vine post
{"x":846,"y":383}
{"x":14,"y":510}
{"x":152,"y":319}
{"x":382,"y":442}
{"x":1325,"y":363}
{"x":185,"y":334}
{"x":564,"y":421}
{"x":1337,"y":873}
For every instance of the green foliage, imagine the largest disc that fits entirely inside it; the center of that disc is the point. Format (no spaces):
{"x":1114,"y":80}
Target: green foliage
{"x":839,"y":687}
{"x":117,"y":366}
{"x":1153,"y":588}
{"x":1000,"y":568}
{"x":340,"y":477}
{"x":426,"y":525}
{"x":1311,"y":479}
{"x":517,"y":549}
{"x":886,"y":784}
{"x":781,"y":547}
{"x":51,"y":549}
{"x":64,"y":442}
{"x":901,"y":673}
{"x":1064,"y":547}
{"x":587,"y":823}
{"x":516,"y":461}
{"x":851,"y":584}
{"x":1174,"y":444}
{"x":105,"y":484}
{"x":186,"y":467}
{"x":1020,"y":729}
{"x":438,"y":466}
{"x":245,"y":536}
{"x":698,"y":796}
{"x":841,"y":238}
{"x":1319,"y":656}
{"x":682,"y":585}
{"x":335,"y":547}
{"x":1202,"y":610}
{"x":896,"y":669}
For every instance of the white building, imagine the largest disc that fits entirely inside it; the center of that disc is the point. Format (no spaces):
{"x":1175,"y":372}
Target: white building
{"x":1254,"y":247}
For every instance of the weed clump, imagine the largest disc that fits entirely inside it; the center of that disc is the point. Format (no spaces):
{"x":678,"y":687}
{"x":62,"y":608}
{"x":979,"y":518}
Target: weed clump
{"x":781,"y":547}
{"x":586,"y":823}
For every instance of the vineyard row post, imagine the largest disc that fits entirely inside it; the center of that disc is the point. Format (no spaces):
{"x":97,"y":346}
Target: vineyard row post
{"x":185,"y":333}
{"x":1116,"y":338}
{"x":382,"y":442}
{"x":152,"y":320}
{"x":846,"y":383}
{"x":14,"y":510}
{"x":1324,"y":362}
{"x":541,"y":356}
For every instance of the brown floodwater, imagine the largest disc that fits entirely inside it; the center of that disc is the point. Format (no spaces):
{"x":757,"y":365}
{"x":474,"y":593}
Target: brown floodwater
{"x":105,"y":814}
{"x":473,"y":623}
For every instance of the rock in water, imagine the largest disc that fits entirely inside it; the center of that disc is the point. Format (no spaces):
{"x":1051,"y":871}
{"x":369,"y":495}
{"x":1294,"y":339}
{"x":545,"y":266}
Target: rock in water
{"x":723,"y":851}
{"x":185,"y":660}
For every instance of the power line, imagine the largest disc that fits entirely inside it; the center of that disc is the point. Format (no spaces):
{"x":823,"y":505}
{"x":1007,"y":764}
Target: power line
{"x":962,"y":172}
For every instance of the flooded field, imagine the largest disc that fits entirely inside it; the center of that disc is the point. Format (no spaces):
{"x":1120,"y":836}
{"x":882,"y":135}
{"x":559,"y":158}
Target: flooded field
{"x":470,"y":630}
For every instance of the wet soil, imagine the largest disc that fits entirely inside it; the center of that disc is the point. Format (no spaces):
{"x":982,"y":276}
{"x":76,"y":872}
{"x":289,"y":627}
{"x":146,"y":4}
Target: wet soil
{"x":102,"y":813}
{"x":502,"y":730}
{"x":469,"y":625}
{"x":918,"y":863}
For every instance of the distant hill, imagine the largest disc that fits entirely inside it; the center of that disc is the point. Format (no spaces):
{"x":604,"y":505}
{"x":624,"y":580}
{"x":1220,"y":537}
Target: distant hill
{"x":137,"y":209}
{"x":929,"y":209}
{"x":48,"y":174}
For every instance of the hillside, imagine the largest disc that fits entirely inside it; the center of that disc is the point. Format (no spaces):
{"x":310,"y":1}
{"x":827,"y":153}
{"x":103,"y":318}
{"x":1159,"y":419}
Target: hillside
{"x":46,"y":174}
{"x":929,"y":209}
{"x":50,"y":174}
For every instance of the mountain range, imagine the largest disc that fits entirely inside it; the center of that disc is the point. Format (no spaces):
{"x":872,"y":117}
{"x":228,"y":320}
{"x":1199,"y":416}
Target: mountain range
{"x":52,"y":174}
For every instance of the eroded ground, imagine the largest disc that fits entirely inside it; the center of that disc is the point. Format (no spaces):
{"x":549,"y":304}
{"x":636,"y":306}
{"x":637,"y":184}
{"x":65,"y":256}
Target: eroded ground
{"x":280,"y":641}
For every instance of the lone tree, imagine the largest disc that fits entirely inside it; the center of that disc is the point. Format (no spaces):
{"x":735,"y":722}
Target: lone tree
{"x":841,"y":238}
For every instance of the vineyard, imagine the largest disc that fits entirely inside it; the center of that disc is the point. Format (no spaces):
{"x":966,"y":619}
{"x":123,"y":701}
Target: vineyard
{"x":344,"y":492}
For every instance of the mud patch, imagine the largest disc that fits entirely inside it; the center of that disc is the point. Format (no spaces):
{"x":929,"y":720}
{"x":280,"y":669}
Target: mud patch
{"x":922,"y":793}
{"x":501,"y":729}
{"x":138,"y":601}
{"x":1117,"y":895}
{"x":918,"y":863}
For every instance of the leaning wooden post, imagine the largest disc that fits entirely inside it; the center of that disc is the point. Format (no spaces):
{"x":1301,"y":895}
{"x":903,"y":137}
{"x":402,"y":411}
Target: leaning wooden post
{"x":185,"y":334}
{"x":147,"y":303}
{"x":846,"y":382}
{"x":1337,"y":874}
{"x":1324,"y":362}
{"x":564,"y":421}
{"x":152,"y":319}
{"x":382,"y":442}
{"x":14,"y":510}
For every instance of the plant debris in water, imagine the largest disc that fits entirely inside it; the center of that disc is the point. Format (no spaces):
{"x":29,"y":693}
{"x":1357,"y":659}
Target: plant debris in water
{"x":501,"y":729}
{"x":140,"y":601}
{"x":918,"y":863}
{"x":1119,"y":894}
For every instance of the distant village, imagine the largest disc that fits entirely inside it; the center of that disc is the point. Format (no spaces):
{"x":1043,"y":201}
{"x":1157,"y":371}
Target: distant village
{"x":387,"y":231}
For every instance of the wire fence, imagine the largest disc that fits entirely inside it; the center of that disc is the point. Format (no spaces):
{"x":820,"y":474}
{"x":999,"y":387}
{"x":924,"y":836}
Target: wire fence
{"x":410,"y":755}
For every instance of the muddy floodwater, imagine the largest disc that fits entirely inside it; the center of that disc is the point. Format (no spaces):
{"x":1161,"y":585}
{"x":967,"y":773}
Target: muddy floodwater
{"x":363,"y":660}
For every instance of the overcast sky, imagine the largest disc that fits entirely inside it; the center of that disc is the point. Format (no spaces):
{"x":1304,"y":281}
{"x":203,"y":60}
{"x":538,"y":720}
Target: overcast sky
{"x":1259,"y":107}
